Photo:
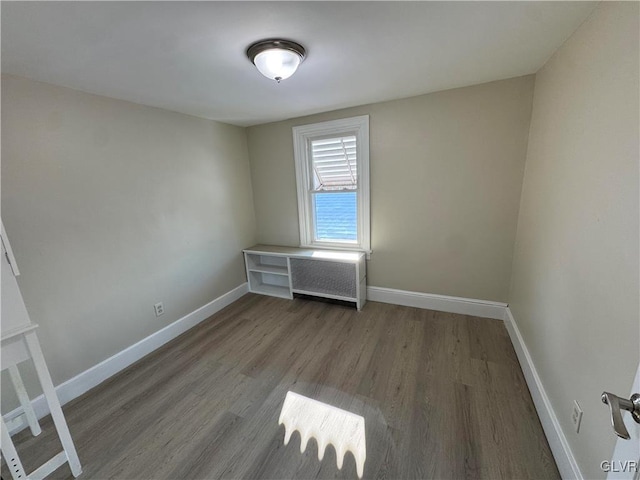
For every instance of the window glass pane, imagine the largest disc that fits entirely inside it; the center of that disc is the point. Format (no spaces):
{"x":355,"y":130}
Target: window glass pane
{"x":334,"y":163}
{"x":332,"y":180}
{"x":335,"y":216}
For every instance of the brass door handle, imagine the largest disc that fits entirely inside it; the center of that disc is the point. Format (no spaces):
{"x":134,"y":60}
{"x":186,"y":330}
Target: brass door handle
{"x":616,"y":404}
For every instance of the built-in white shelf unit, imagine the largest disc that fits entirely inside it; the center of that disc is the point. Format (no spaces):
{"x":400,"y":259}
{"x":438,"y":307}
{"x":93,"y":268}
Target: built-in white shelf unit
{"x":283,"y":271}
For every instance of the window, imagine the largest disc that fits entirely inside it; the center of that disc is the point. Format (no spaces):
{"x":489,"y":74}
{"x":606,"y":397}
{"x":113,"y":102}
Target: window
{"x":332,"y":173}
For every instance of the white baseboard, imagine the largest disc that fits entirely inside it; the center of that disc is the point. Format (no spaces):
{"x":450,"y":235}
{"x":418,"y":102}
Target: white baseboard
{"x":85,"y":381}
{"x":481,"y":308}
{"x":555,"y":436}
{"x":442,"y":303}
{"x":95,"y":375}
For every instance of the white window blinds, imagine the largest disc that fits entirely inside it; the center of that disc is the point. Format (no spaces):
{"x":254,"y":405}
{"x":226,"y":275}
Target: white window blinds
{"x":332,"y":180}
{"x":334,"y":162}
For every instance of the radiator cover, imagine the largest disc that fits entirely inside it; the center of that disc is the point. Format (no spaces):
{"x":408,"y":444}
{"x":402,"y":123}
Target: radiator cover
{"x":325,"y":277}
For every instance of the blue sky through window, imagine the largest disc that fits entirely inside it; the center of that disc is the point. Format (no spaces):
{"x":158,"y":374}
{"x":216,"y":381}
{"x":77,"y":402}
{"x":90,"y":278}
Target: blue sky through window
{"x":336,"y":216}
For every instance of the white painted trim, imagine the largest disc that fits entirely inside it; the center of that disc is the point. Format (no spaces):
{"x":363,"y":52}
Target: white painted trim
{"x":442,"y":303}
{"x":85,"y":381}
{"x":302,"y":136}
{"x":560,"y":448}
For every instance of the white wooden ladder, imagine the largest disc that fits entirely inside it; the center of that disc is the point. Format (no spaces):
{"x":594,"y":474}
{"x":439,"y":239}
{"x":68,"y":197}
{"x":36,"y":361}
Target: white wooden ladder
{"x":19,"y":343}
{"x":15,"y":345}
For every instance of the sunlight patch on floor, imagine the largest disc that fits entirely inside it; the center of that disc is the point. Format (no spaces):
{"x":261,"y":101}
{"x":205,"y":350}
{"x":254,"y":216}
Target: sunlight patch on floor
{"x":328,"y":425}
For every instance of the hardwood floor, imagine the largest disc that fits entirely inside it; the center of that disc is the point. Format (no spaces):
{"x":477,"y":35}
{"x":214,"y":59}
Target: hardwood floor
{"x":442,"y":395}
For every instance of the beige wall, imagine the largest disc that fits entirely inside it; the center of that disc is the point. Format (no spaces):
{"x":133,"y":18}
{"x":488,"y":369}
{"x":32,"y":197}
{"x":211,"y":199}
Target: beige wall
{"x":575,"y":284}
{"x":446,"y":175}
{"x":111,"y":207}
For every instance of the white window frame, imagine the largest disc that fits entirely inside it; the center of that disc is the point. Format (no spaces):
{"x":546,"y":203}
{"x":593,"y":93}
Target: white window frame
{"x":302,"y":137}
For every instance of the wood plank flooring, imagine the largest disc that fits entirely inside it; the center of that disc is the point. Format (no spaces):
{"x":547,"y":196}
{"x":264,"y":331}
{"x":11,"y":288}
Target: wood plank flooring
{"x":442,"y":395}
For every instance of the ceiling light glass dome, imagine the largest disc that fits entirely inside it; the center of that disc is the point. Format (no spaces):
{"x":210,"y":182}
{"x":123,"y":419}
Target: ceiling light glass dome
{"x":276,"y":59}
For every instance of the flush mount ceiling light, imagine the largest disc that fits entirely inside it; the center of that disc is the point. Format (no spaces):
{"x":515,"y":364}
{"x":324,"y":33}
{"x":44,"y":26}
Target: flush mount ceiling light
{"x":275,"y":58}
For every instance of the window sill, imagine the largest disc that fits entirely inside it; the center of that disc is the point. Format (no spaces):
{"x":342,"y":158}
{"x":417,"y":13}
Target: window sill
{"x":340,"y":247}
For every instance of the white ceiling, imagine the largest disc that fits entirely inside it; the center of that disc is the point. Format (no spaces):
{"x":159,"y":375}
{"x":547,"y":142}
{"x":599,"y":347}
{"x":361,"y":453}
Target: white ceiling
{"x":190,"y":56}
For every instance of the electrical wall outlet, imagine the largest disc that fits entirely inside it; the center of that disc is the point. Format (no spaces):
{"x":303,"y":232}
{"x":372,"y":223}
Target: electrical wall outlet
{"x":576,"y":416}
{"x":159,"y":308}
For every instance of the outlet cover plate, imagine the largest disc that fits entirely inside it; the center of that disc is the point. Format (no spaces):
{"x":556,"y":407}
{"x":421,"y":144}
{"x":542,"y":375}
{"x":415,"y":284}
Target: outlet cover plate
{"x":576,"y":416}
{"x":159,"y":308}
